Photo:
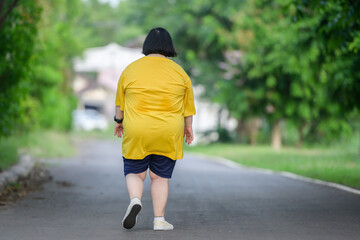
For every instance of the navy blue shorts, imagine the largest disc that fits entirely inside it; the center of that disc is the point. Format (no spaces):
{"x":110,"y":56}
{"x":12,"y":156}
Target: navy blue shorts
{"x":158,"y":164}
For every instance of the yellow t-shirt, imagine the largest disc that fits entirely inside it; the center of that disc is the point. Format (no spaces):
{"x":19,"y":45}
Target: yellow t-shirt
{"x":155,"y":94}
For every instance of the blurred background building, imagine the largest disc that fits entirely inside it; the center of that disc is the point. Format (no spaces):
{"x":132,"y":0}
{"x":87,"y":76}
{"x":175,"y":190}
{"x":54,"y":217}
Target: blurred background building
{"x":97,"y":74}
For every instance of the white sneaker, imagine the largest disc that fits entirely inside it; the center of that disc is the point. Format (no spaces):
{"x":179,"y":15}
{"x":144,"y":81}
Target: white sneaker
{"x":162,"y":225}
{"x":133,"y":210}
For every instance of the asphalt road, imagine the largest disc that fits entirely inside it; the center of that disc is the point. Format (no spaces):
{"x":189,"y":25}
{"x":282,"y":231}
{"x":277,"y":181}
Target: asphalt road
{"x":87,"y":200}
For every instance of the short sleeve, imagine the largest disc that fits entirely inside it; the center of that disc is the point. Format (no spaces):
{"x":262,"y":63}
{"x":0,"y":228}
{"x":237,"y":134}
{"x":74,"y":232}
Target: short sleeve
{"x":189,"y":104}
{"x":120,"y":93}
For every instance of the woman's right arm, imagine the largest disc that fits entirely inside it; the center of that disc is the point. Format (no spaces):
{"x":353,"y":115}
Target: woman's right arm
{"x":189,"y":110}
{"x":188,"y":132}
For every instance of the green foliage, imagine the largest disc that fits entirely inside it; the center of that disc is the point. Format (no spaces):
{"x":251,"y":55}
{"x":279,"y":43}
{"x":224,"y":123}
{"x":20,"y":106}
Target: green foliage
{"x":8,"y":153}
{"x":39,"y":39}
{"x":17,"y":40}
{"x":100,"y":23}
{"x":59,"y":41}
{"x":56,"y":110}
{"x":294,"y":66}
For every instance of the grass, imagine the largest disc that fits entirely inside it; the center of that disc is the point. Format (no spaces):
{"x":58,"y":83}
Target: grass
{"x":8,"y":153}
{"x":95,"y":134}
{"x":39,"y":144}
{"x":334,"y":165}
{"x":45,"y":144}
{"x":49,"y":144}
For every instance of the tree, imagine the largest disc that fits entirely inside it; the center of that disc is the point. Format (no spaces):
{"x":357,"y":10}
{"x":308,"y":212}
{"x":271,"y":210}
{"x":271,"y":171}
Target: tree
{"x":336,"y":35}
{"x":340,"y":31}
{"x":18,"y":32}
{"x":284,"y":70}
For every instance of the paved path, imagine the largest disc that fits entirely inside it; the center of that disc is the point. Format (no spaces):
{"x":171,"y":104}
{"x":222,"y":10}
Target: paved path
{"x":207,"y":201}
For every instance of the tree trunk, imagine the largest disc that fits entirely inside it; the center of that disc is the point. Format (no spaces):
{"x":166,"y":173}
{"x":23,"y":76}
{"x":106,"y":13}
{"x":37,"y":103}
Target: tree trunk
{"x":220,"y":110}
{"x":254,"y":125}
{"x":276,"y":136}
{"x":240,"y":130}
{"x":301,"y":135}
{"x":359,"y":146}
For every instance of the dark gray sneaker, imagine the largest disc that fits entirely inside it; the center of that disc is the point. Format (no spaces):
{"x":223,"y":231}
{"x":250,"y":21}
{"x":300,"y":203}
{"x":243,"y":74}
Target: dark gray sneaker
{"x":133,"y":210}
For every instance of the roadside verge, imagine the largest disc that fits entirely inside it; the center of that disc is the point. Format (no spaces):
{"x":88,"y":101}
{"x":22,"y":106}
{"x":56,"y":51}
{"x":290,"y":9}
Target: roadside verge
{"x":16,"y":172}
{"x":233,"y":164}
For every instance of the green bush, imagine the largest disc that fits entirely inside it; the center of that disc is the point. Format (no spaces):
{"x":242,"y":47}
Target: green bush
{"x":56,"y":110}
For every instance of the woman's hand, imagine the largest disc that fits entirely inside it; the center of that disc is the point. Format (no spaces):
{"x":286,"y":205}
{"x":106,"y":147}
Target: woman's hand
{"x":118,"y":130}
{"x":188,"y":132}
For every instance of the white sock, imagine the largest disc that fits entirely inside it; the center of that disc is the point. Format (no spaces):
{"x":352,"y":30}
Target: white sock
{"x":159,"y":218}
{"x":133,"y":199}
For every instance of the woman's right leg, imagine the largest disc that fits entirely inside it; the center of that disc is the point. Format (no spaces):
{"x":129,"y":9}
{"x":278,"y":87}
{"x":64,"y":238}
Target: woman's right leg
{"x":135,"y":184}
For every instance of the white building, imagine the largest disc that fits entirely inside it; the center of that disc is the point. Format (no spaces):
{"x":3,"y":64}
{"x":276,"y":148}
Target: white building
{"x":97,"y":74}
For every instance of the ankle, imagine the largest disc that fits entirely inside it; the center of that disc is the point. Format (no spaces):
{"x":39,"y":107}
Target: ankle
{"x":135,"y":199}
{"x":162,"y":218}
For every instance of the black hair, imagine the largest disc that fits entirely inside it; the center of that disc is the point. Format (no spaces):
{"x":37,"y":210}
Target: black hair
{"x":159,"y":41}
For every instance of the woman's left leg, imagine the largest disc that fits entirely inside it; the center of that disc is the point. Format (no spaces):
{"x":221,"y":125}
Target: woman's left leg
{"x":159,"y":193}
{"x":160,"y":172}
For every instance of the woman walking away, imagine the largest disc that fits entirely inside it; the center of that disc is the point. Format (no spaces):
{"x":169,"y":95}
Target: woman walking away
{"x":154,"y":109}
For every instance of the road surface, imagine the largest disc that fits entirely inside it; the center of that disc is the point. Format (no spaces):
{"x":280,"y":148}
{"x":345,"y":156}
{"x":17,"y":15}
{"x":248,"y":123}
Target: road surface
{"x":87,"y":200}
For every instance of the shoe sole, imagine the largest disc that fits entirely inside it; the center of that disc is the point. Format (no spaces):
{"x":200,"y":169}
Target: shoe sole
{"x":130,"y":220}
{"x":163,"y":229}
